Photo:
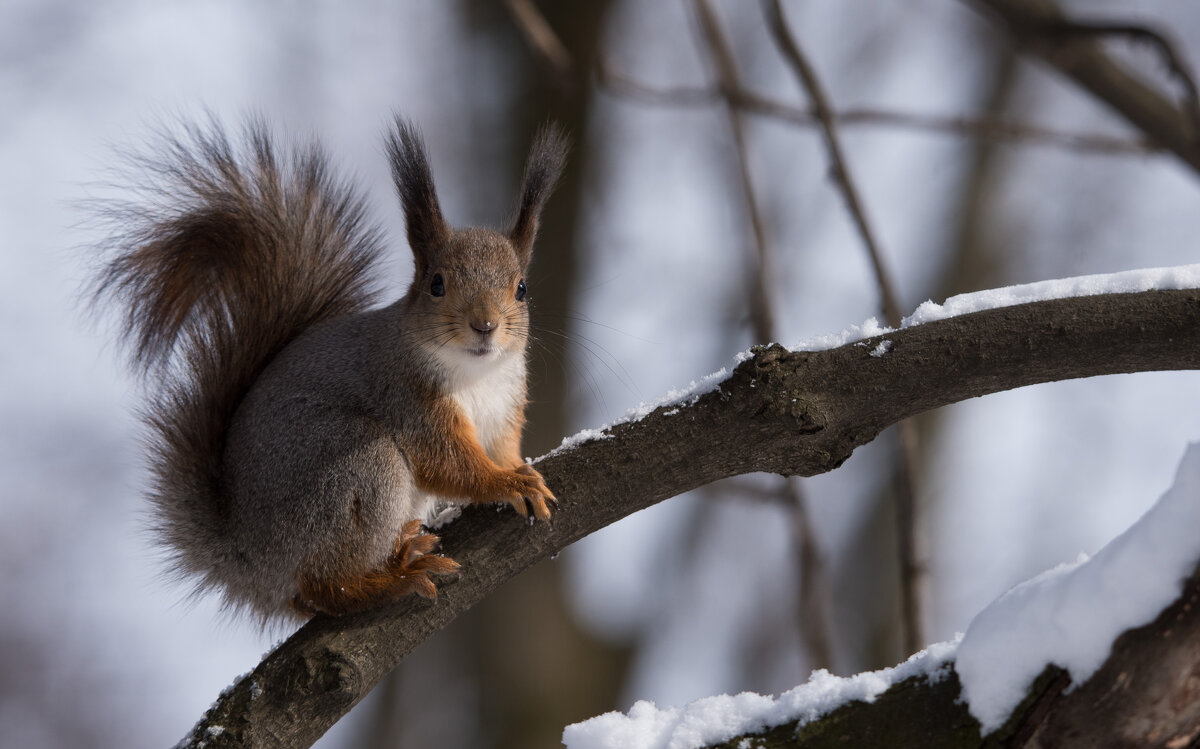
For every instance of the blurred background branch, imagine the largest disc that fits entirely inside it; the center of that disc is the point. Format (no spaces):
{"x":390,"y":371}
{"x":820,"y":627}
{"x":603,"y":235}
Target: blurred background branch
{"x":1076,"y":49}
{"x":833,"y":145}
{"x":913,"y":585}
{"x":542,"y":39}
{"x":966,"y":126}
{"x":812,"y":601}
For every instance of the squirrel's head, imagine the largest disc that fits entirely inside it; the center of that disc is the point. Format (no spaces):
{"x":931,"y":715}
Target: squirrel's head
{"x":469,"y":295}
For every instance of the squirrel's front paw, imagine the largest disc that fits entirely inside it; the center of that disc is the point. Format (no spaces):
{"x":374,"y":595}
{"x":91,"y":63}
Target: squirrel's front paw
{"x":529,"y":495}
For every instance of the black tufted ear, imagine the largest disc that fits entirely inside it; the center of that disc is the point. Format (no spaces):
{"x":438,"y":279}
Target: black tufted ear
{"x":427,"y":230}
{"x":542,"y":170}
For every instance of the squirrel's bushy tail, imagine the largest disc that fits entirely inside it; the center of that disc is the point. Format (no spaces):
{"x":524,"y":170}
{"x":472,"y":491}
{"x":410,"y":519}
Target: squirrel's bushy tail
{"x":231,"y":253}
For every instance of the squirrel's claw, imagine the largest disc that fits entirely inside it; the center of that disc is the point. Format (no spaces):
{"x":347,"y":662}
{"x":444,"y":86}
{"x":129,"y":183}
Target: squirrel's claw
{"x":530,"y":497}
{"x":414,"y":561}
{"x":537,"y":507}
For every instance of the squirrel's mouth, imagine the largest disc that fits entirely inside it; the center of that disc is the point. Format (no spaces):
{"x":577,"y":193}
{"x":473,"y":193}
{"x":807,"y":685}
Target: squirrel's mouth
{"x":483,"y":352}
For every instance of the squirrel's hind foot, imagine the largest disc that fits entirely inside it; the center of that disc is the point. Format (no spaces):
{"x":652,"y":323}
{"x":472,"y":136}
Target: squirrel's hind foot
{"x":414,"y":561}
{"x":408,"y":570}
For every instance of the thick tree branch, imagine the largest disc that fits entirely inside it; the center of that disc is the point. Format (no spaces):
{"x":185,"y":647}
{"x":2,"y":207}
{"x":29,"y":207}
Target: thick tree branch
{"x":1078,"y":51}
{"x":793,"y":413}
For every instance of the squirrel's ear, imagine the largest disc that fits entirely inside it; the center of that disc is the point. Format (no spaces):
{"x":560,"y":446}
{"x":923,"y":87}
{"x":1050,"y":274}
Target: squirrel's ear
{"x":427,"y":229}
{"x":542,"y":170}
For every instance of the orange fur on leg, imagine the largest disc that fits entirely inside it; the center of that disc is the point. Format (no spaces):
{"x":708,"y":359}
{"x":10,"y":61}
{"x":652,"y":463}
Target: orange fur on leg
{"x":455,"y":465}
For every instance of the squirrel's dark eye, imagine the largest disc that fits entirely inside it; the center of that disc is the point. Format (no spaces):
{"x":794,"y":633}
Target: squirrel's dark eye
{"x":521,"y":290}
{"x":438,"y":287}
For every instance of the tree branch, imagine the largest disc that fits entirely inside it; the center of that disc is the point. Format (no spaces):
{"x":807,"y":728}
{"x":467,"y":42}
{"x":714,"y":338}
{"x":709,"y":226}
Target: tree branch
{"x":541,"y":38}
{"x":793,"y":413}
{"x":760,"y":295}
{"x":1040,"y":27}
{"x":1145,"y":694}
{"x":823,"y":109}
{"x":971,"y":126}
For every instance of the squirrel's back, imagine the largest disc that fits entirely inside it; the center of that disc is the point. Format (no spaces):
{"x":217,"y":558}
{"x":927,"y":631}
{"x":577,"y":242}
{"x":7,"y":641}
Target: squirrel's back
{"x":241,"y":250}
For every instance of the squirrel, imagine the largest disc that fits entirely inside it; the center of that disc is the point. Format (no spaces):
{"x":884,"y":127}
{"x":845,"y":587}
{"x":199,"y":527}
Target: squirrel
{"x":300,"y":436}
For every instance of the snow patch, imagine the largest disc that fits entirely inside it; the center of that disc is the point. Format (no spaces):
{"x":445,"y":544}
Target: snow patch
{"x":675,"y":397}
{"x":1125,"y":282}
{"x":444,"y":517}
{"x":868,"y":329}
{"x":1177,"y":277}
{"x":715,"y":719}
{"x":1069,"y":616}
{"x":585,"y":435}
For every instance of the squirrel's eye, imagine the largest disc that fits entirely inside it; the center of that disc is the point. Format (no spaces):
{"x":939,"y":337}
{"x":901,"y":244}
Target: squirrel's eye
{"x":521,"y":290}
{"x":438,"y":287}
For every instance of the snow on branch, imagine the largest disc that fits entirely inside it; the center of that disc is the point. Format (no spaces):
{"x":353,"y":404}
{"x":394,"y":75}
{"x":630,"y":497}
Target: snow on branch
{"x":1178,"y":277}
{"x":789,"y":412}
{"x":1034,"y":644}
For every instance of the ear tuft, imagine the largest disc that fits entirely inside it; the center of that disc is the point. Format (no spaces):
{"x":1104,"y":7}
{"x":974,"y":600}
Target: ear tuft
{"x":542,"y":170}
{"x":426,"y":228}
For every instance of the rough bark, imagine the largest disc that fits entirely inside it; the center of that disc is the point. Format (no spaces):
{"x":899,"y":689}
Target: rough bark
{"x":793,"y":413}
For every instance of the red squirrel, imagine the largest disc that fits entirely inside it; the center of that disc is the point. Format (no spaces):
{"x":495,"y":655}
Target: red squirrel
{"x":300,"y":436}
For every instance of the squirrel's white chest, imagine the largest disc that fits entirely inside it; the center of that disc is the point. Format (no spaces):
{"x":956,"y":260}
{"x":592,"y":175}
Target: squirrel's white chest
{"x":490,"y":401}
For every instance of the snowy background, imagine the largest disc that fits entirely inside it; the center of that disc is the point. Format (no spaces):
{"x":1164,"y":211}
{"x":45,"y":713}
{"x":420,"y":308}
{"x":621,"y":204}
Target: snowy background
{"x":96,"y":649}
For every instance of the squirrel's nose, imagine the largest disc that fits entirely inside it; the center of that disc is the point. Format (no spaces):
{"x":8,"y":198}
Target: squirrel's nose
{"x":483,"y":327}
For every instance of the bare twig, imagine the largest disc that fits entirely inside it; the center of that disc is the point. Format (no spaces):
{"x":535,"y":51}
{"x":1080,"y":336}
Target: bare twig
{"x":622,"y":85}
{"x":541,"y":38}
{"x":912,"y":570}
{"x":761,"y":296}
{"x":914,"y":578}
{"x":976,"y":126}
{"x":813,"y":609}
{"x":824,"y":113}
{"x":1176,"y":66}
{"x":813,"y":603}
{"x":1082,"y":57}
